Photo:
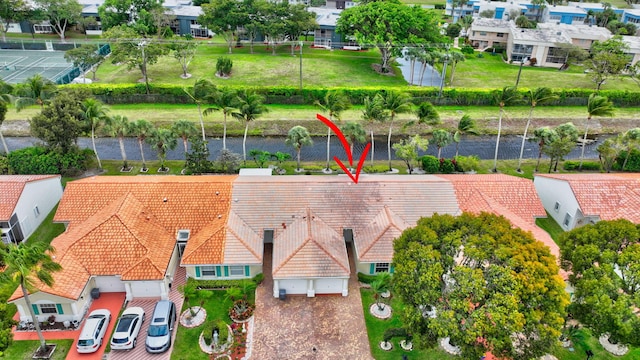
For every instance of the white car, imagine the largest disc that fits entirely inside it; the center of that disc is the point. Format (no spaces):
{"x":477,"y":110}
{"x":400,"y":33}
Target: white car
{"x":95,"y":326}
{"x":127,"y":329}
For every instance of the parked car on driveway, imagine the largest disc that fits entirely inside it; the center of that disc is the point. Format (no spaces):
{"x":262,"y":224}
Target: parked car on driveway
{"x":127,"y":329}
{"x":92,"y":334}
{"x":160,"y":327}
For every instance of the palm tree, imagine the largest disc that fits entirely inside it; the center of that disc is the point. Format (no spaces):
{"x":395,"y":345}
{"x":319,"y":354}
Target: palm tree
{"x":142,"y":129}
{"x":163,"y":140}
{"x":119,"y":126}
{"x":455,"y":57}
{"x":534,"y":97}
{"x":373,"y":112}
{"x":509,"y":95}
{"x":27,"y":264}
{"x":632,"y":139}
{"x":203,"y":92}
{"x":95,"y":114}
{"x":544,"y":136}
{"x":250,"y":107}
{"x":354,"y":133}
{"x":227,"y":100}
{"x":441,"y":138}
{"x":35,"y":90}
{"x":298,"y":137}
{"x":412,"y":54}
{"x":466,"y":125}
{"x":395,"y":103}
{"x":427,"y":114}
{"x":184,"y":129}
{"x":596,"y":106}
{"x":381,"y":285}
{"x":425,"y":58}
{"x":334,"y":102}
{"x":5,"y":99}
{"x":466,"y":22}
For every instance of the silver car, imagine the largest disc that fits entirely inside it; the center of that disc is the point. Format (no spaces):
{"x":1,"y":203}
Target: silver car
{"x":127,"y":329}
{"x":162,"y":322}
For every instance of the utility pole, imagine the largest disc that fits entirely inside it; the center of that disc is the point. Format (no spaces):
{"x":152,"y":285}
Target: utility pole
{"x":522,"y":61}
{"x":301,"y":43}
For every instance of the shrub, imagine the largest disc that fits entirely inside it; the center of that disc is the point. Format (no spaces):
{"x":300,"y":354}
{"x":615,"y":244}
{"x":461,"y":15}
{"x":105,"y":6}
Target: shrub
{"x":375,"y":169}
{"x":447,"y":166}
{"x":207,"y":332}
{"x":40,"y":161}
{"x":223,"y":66}
{"x":223,"y":331}
{"x":533,"y":61}
{"x":633,"y":164}
{"x":4,"y":165}
{"x":467,"y":163}
{"x":586,"y":165}
{"x":467,"y":49}
{"x":430,"y":164}
{"x":366,"y":278}
{"x":390,"y":333}
{"x":258,"y":278}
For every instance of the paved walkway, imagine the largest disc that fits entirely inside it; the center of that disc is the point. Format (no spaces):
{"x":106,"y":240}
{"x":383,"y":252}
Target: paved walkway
{"x":291,"y":329}
{"x":111,"y":301}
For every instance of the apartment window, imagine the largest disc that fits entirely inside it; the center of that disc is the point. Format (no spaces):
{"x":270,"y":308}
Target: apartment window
{"x":236,"y":270}
{"x":483,"y":33}
{"x":208,"y":270}
{"x":48,"y":309}
{"x":43,"y":28}
{"x":36,"y":211}
{"x":500,"y":34}
{"x":521,"y":51}
{"x":556,"y":55}
{"x":556,"y":207}
{"x":567,"y":220}
{"x":382,"y":267}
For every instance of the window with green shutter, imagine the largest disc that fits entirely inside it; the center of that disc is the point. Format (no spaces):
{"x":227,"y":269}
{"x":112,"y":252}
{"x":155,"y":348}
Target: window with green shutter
{"x":59,"y":308}
{"x":198,"y":271}
{"x":35,"y":309}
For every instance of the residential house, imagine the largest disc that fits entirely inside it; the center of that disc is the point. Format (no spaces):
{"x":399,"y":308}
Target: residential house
{"x":339,"y":4}
{"x":325,"y":35}
{"x":559,"y":14}
{"x":540,"y":44}
{"x":128,"y":234}
{"x":25,"y":201}
{"x":486,"y":33}
{"x":580,"y":34}
{"x":575,"y":200}
{"x":631,"y":16}
{"x":633,"y":42}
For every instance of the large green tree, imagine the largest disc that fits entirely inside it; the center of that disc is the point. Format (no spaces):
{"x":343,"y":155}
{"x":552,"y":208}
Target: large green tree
{"x":596,"y":106}
{"x":560,"y":142}
{"x":407,"y":150}
{"x":224,"y":17}
{"x":6,"y":98}
{"x":603,"y":260}
{"x":85,"y":55}
{"x":333,"y":103}
{"x":608,"y":59}
{"x":61,"y":121}
{"x":61,"y":14}
{"x":139,"y":14}
{"x":481,"y":282}
{"x":298,"y":23}
{"x":11,"y":11}
{"x":389,"y":25}
{"x":26,"y":265}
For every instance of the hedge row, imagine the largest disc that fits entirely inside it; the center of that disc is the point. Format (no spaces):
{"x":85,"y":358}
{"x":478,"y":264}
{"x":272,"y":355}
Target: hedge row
{"x":167,"y":93}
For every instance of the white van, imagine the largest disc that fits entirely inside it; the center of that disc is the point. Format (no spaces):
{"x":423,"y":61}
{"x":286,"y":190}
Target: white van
{"x":161,"y":326}
{"x":95,"y":326}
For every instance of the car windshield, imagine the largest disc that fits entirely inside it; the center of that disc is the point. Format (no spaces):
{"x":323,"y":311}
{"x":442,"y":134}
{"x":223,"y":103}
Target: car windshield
{"x":124,"y":323}
{"x":87,"y":342}
{"x":158,"y":330}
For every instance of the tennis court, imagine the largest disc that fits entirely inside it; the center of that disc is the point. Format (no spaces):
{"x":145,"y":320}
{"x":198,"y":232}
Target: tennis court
{"x":18,"y":65}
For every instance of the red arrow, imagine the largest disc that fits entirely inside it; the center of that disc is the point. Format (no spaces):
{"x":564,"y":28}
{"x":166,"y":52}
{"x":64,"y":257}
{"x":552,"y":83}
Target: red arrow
{"x":347,"y":149}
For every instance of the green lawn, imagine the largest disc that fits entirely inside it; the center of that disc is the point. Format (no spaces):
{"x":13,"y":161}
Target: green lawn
{"x":376,"y":328}
{"x":549,"y":225}
{"x":23,"y":350}
{"x":589,"y":342}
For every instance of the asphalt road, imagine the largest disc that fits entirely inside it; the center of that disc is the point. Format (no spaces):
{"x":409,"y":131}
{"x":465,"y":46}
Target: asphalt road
{"x":482,"y":146}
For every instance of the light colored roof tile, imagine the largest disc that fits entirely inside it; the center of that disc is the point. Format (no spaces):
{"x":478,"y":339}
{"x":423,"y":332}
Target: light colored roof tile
{"x":243,"y":245}
{"x":375,"y":242}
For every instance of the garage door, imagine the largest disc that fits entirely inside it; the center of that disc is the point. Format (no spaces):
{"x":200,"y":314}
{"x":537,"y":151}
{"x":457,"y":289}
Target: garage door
{"x":109,"y":284}
{"x":146,"y":288}
{"x":294,"y":286}
{"x":328,"y":286}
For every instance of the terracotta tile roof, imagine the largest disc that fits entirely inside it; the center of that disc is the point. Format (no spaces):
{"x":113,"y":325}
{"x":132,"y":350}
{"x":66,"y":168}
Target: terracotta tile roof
{"x":375,"y":242}
{"x":309,"y":248}
{"x":272,"y":202}
{"x":206,"y":246}
{"x":609,"y":196}
{"x":11,"y":187}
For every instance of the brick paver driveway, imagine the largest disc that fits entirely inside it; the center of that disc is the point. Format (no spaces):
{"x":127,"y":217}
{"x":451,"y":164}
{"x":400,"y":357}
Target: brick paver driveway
{"x":291,"y":329}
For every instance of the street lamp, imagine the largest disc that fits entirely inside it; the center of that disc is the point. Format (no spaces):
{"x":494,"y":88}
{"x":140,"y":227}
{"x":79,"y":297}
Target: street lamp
{"x":522,"y":61}
{"x":444,"y":74}
{"x":301,"y":43}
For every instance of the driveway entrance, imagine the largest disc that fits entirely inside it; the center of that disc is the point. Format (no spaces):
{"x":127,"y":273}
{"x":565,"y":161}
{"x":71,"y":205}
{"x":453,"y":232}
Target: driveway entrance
{"x":322,"y":327}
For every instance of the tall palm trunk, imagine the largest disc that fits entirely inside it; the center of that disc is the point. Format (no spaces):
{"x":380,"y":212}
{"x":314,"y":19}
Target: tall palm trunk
{"x":495,"y":158}
{"x":144,"y":164}
{"x":224,"y":131}
{"x":389,"y":142}
{"x":439,"y":151}
{"x":584,"y":142}
{"x":4,"y":143}
{"x":328,"y":146}
{"x":422,"y":70}
{"x":201,"y":122}
{"x":457,"y":146}
{"x":244,"y":143}
{"x":524,"y":138}
{"x":123,"y":153}
{"x":36,"y":323}
{"x":93,"y":142}
{"x":185,"y":142}
{"x":540,"y":144}
{"x":298,"y":151}
{"x":372,"y":146}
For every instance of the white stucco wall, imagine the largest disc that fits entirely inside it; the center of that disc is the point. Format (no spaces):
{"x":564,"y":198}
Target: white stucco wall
{"x":43,"y":194}
{"x":552,"y":191}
